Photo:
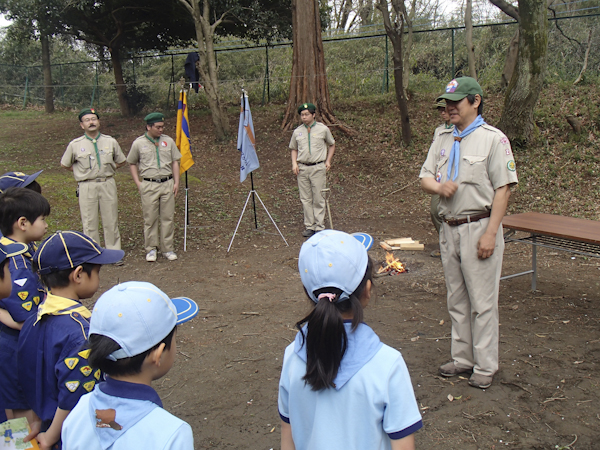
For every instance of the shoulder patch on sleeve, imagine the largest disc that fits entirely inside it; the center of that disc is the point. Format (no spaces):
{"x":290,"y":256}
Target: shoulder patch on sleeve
{"x":89,"y":385}
{"x":97,"y":374}
{"x":85,"y":354}
{"x":36,"y":299}
{"x":86,"y":371}
{"x":23,"y":295}
{"x":27,"y":306}
{"x":71,"y":363}
{"x":511,"y":165}
{"x":72,"y":385}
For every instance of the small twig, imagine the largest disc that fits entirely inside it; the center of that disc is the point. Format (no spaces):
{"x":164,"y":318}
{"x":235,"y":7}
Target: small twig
{"x":403,"y":187}
{"x":583,"y":401}
{"x":166,"y":396}
{"x":250,"y":314}
{"x":550,"y":428}
{"x":551,"y":399}
{"x":247,"y":359}
{"x":178,"y":404}
{"x":436,"y":338}
{"x":467,"y":431}
{"x":516,"y":385}
{"x":184,"y":354}
{"x":221,"y":326}
{"x":250,"y":334}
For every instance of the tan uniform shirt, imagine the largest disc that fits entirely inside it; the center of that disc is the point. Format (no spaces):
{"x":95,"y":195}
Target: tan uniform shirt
{"x":143,"y":153}
{"x":486,"y":164}
{"x":311,"y":142}
{"x":81,"y":154}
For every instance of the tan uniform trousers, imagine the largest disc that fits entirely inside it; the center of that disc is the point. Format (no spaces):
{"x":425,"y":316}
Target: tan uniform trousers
{"x":100,"y":196}
{"x":472,"y":286}
{"x":434,"y":212}
{"x":158,"y":201}
{"x":311,"y":180}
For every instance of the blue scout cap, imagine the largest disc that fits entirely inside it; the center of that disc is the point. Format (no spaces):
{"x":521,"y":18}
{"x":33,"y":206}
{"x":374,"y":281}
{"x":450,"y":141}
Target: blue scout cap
{"x":459,"y":88}
{"x":69,"y":249}
{"x":137,"y":316}
{"x":16,"y":179}
{"x":12,"y":249}
{"x":332,"y":259}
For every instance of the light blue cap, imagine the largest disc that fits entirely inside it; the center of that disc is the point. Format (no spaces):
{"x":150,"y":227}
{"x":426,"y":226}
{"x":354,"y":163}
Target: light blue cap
{"x":137,"y":316}
{"x":332,"y":259}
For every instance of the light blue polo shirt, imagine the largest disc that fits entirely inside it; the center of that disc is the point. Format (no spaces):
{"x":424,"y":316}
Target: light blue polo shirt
{"x":373,"y":400}
{"x":119,"y":415}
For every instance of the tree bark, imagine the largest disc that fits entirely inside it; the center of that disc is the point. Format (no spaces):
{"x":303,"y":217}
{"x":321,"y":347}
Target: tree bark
{"x":207,"y":65}
{"x":47,"y":69}
{"x":309,"y":78}
{"x":511,"y":59}
{"x":395,"y":32}
{"x":407,"y":46}
{"x":528,"y":77}
{"x":119,"y":81}
{"x":469,"y":38}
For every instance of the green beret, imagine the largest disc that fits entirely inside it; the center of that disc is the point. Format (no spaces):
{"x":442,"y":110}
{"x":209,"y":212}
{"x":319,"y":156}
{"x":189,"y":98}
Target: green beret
{"x":154,"y":117}
{"x":86,"y":111}
{"x":311,"y":108}
{"x":440,"y":103}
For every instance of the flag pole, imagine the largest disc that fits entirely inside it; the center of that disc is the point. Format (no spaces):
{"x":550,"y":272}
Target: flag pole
{"x":253,"y":201}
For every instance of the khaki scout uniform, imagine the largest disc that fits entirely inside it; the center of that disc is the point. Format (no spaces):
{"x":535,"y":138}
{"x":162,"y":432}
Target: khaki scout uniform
{"x":312,"y":143}
{"x":435,"y":199}
{"x":486,"y":164}
{"x":96,"y":185}
{"x":155,"y":167}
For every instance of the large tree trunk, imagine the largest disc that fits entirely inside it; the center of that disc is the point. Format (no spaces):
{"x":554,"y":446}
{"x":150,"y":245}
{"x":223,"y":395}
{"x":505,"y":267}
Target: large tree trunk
{"x":395,"y":32}
{"x":407,"y":48}
{"x":309,"y":78}
{"x":46,"y":68}
{"x":469,"y":38}
{"x":119,"y":81}
{"x":528,"y":77}
{"x":511,"y":60}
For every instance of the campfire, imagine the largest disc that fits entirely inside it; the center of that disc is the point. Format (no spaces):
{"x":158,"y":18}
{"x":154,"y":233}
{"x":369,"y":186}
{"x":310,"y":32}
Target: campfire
{"x":391,"y":266}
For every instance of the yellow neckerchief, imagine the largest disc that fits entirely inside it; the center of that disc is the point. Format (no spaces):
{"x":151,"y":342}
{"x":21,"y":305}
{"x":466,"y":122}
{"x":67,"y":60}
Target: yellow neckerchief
{"x":59,"y":306}
{"x":309,"y":128}
{"x":29,"y":253}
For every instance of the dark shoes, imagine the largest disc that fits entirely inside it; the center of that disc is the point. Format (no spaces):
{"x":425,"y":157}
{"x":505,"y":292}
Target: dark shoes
{"x":450,"y":369}
{"x":308,"y":233}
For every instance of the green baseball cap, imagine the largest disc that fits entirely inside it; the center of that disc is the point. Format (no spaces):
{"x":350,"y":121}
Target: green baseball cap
{"x":440,"y":103}
{"x":459,"y":88}
{"x":311,"y":108}
{"x":154,"y":117}
{"x":86,"y":111}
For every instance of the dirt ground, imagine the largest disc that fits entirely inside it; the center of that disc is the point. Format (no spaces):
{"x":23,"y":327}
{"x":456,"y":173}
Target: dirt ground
{"x":225,"y":379}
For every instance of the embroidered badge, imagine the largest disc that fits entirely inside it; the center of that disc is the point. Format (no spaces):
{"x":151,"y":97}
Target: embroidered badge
{"x":97,"y":374}
{"x":82,"y":150}
{"x":21,"y":281}
{"x":89,"y":385}
{"x":105,"y":418}
{"x":85,"y":354}
{"x":71,"y":363}
{"x":511,"y":165}
{"x":443,"y":152}
{"x":23,"y":295}
{"x":504,"y":140}
{"x":163,"y":143}
{"x":299,"y":134}
{"x":507,"y":151}
{"x":36,"y":299}
{"x":86,"y":371}
{"x":72,"y":385}
{"x":438,"y":176}
{"x":20,"y":174}
{"x":451,"y":87}
{"x":27,"y":305}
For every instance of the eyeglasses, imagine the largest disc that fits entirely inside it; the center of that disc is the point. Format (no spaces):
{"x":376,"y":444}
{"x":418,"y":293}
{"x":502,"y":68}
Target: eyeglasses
{"x":158,"y":127}
{"x":92,"y":119}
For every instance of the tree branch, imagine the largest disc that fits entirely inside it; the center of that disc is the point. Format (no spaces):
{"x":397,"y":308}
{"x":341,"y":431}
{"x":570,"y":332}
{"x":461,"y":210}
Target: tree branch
{"x":506,"y":8}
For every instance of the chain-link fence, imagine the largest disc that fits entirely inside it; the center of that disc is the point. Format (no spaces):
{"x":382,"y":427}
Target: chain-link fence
{"x":358,"y":65}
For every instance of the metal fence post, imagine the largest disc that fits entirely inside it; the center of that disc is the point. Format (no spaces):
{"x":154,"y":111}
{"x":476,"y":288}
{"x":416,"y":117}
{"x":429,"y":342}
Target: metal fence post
{"x":266,"y":83}
{"x":62,"y":85}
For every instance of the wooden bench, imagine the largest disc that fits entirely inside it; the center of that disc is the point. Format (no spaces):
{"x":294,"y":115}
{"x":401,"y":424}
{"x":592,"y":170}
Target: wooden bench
{"x":580,"y":236}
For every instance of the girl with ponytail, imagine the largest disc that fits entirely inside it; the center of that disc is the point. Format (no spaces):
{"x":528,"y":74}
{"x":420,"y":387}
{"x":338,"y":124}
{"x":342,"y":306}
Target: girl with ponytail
{"x":340,"y":386}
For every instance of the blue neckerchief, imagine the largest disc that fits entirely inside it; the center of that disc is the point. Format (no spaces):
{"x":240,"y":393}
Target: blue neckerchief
{"x":363,"y":344}
{"x":455,"y":152}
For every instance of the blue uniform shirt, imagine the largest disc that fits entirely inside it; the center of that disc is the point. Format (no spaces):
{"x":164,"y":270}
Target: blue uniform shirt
{"x":52,"y":357}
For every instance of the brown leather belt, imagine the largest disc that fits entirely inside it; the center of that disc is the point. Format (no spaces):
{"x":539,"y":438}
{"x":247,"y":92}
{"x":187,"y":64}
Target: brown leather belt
{"x":96,"y":180}
{"x":468,"y":219}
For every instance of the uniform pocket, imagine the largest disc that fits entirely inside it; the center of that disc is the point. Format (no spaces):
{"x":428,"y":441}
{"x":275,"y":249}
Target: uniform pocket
{"x":473,"y":169}
{"x":84,"y":160}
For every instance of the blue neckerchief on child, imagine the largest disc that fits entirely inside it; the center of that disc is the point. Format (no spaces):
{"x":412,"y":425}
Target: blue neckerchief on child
{"x":112,"y":407}
{"x":455,"y":152}
{"x":363,"y":344}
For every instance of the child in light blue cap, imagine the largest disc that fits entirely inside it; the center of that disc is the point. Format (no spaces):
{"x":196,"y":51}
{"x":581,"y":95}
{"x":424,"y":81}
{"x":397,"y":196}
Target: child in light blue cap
{"x":132,"y":341}
{"x":340,"y":386}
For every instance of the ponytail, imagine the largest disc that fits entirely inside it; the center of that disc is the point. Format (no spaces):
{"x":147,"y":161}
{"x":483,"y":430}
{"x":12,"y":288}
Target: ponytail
{"x":326,"y":339}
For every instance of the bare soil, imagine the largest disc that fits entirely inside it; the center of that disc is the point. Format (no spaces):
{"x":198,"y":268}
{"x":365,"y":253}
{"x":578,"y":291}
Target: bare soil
{"x":224,"y":383}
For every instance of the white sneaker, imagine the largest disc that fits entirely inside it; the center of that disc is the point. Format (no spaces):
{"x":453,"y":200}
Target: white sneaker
{"x":171,"y":256}
{"x":151,"y":256}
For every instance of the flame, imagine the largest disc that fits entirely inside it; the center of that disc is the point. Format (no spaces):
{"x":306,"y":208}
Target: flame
{"x":392,"y":264}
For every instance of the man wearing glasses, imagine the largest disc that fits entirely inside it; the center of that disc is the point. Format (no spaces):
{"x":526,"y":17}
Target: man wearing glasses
{"x":93,"y":159}
{"x":154,"y":163}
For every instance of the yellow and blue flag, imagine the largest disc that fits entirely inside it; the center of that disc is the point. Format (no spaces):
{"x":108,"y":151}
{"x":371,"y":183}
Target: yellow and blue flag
{"x":183,"y":134}
{"x":246,"y":143}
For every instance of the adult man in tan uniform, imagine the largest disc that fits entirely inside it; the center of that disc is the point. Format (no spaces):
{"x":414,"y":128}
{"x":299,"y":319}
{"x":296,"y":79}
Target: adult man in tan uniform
{"x":471,"y":168}
{"x":154,"y":163}
{"x":312,"y":148}
{"x":93,"y":159}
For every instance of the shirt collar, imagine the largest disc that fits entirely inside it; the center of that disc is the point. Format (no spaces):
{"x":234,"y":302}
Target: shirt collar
{"x":154,"y":141}
{"x":132,"y":391}
{"x":54,"y":305}
{"x":311,"y":125}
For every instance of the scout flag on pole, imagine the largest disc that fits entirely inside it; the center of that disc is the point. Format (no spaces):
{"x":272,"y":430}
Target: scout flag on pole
{"x":183,"y":134}
{"x":246,"y":142}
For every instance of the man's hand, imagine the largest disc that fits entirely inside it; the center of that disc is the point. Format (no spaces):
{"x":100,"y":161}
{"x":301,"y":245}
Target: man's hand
{"x":486,"y":245}
{"x":448,"y":189}
{"x":175,"y":189}
{"x":295,"y":169}
{"x":327,"y":165}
